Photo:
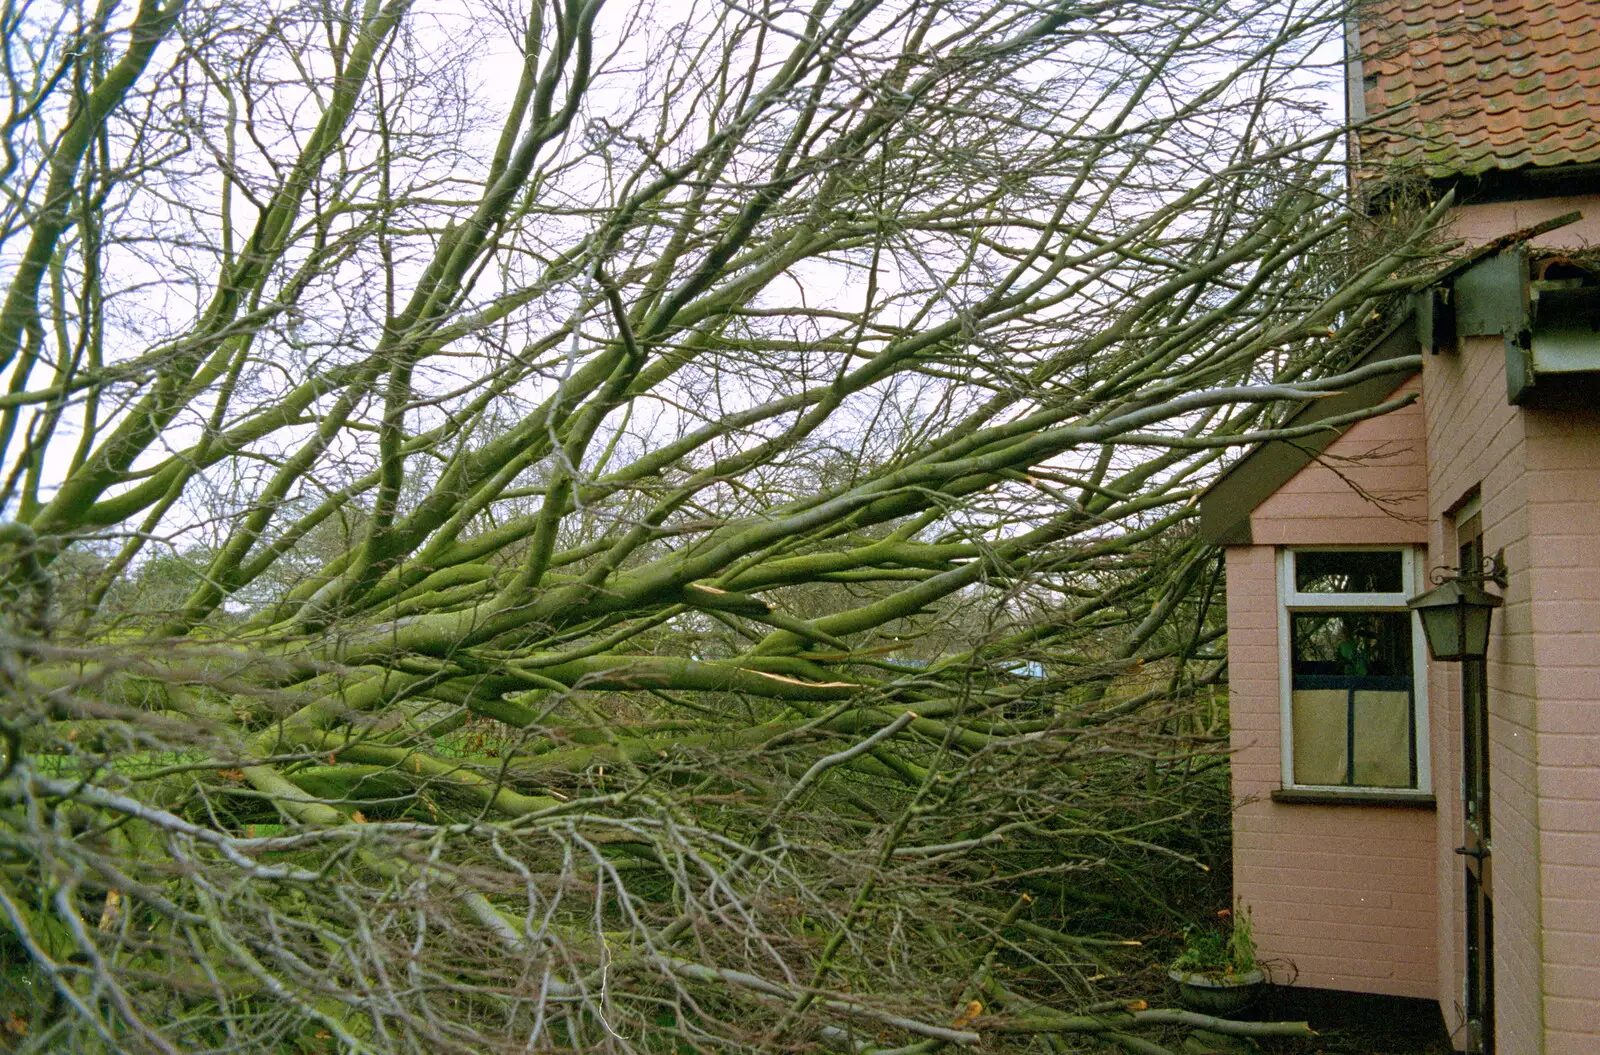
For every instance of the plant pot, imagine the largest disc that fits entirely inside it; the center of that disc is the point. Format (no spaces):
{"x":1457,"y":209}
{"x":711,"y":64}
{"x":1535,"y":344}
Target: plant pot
{"x":1218,"y":994}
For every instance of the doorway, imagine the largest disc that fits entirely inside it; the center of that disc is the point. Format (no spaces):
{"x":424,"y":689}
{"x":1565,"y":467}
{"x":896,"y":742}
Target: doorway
{"x":1475,"y":848}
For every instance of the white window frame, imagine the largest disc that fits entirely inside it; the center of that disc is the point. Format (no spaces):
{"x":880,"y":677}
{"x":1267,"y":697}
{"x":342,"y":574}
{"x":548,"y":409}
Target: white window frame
{"x":1413,"y":569}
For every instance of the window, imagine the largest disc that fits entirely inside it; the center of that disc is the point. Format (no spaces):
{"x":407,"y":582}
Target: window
{"x":1352,"y":666}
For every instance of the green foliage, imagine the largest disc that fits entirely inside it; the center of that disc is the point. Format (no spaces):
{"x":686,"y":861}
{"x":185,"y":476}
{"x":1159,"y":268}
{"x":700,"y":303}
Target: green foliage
{"x":1224,"y":950}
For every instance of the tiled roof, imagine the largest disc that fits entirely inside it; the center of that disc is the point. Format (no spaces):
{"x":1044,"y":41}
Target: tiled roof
{"x":1484,"y":84}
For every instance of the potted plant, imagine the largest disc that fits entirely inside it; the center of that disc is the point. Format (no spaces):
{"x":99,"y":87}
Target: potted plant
{"x":1217,"y":971}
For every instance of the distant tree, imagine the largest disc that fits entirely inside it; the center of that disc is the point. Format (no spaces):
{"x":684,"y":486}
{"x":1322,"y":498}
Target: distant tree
{"x":530,"y":527}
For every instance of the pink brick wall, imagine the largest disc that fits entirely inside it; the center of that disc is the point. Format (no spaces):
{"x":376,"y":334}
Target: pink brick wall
{"x":1477,"y":224}
{"x":1477,"y":441}
{"x":1540,"y":477}
{"x":1344,"y":896}
{"x":1563,"y":486}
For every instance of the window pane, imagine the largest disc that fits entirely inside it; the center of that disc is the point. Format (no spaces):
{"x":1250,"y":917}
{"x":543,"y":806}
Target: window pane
{"x":1374,"y":723}
{"x":1352,"y":644}
{"x":1321,"y":736}
{"x":1382,"y":722}
{"x":1352,"y":699}
{"x":1367,"y":571}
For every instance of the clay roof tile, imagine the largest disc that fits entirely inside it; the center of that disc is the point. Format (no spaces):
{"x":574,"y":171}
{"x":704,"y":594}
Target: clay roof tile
{"x":1484,"y":84}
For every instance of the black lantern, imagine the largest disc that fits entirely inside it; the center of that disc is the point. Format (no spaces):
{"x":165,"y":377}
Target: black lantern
{"x":1455,"y":614}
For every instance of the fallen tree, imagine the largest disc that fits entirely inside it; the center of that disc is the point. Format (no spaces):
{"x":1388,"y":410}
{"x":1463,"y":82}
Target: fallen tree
{"x":673,"y":535}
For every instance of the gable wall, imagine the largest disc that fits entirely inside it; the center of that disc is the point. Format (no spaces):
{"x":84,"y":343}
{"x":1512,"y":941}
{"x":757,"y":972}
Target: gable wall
{"x":1345,"y":894}
{"x":1369,"y":486}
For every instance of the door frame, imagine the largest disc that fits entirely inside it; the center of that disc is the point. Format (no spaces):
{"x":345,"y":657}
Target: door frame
{"x":1476,"y":849}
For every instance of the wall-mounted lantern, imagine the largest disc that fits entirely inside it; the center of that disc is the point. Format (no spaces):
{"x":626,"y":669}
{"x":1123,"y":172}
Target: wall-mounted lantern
{"x":1455,"y":614}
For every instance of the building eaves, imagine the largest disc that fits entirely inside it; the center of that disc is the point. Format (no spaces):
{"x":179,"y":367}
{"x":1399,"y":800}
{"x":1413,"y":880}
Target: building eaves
{"x":1226,"y":505}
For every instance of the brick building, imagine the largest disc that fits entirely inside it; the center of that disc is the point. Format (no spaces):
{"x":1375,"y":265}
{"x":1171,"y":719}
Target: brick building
{"x":1405,"y":825}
